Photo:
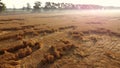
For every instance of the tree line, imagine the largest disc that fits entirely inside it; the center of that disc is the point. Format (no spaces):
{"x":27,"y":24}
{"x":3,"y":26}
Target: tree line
{"x":52,"y":5}
{"x":2,"y":6}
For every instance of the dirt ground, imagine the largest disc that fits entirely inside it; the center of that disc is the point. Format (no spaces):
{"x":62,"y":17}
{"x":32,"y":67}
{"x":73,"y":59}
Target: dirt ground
{"x":70,"y":39}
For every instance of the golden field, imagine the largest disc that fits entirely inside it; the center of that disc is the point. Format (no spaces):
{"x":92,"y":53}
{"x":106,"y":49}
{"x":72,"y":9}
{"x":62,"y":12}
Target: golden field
{"x":62,"y":39}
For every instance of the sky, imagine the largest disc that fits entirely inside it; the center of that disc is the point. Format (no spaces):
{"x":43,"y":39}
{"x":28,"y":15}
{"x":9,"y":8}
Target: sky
{"x":21,"y":3}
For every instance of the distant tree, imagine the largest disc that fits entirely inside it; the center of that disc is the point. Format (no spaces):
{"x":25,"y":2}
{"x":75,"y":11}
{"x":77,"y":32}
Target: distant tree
{"x":53,"y":6}
{"x":28,"y":6}
{"x":37,"y":5}
{"x":23,"y":8}
{"x":58,"y":5}
{"x":2,"y":6}
{"x":62,"y":5}
{"x":48,"y":5}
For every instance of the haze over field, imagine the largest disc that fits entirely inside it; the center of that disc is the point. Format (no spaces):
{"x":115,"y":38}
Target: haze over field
{"x":21,"y":3}
{"x":60,"y":34}
{"x":63,"y":39}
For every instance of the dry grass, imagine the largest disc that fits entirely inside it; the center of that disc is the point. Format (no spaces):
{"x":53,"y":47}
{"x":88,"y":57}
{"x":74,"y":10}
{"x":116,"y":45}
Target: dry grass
{"x":65,"y":41}
{"x":35,"y":33}
{"x":56,"y":53}
{"x":30,"y":43}
{"x":112,"y":55}
{"x":71,"y":51}
{"x":6,"y":66}
{"x":24,"y":52}
{"x":9,"y":36}
{"x":19,"y":37}
{"x":49,"y":58}
{"x":16,"y":48}
{"x":39,"y":44}
{"x":8,"y":56}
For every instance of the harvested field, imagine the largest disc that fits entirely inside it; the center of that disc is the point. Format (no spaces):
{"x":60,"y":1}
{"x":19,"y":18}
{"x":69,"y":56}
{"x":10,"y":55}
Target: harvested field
{"x":70,"y":39}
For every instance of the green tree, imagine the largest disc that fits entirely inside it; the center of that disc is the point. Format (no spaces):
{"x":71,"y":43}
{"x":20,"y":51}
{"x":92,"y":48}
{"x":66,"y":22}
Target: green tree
{"x":28,"y":6}
{"x":2,"y":6}
{"x":37,"y":5}
{"x":48,"y":5}
{"x":23,"y":8}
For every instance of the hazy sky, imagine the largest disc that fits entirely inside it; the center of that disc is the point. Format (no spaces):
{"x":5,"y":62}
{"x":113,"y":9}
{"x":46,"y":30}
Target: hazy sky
{"x":21,"y":3}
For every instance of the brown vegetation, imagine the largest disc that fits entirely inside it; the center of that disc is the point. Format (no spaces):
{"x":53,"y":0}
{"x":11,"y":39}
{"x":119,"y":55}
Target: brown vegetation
{"x":67,"y":43}
{"x":56,"y":53}
{"x":12,"y":19}
{"x":24,"y":52}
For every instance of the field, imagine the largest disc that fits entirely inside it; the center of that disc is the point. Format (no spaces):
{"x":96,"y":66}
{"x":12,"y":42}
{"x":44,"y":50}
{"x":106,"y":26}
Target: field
{"x":62,"y":39}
